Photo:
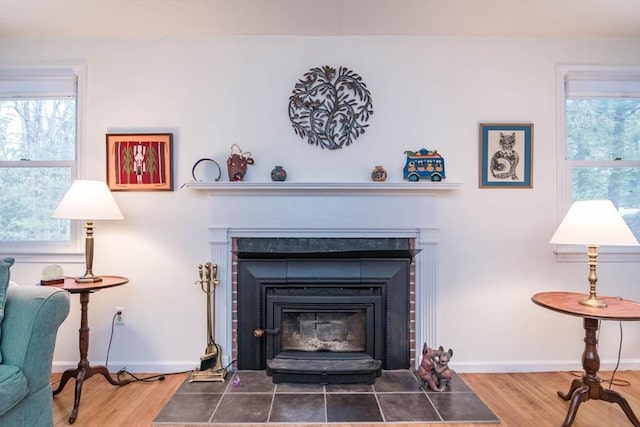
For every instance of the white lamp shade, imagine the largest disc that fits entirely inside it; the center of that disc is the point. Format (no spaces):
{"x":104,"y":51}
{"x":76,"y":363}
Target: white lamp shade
{"x":594,"y":223}
{"x":88,"y":200}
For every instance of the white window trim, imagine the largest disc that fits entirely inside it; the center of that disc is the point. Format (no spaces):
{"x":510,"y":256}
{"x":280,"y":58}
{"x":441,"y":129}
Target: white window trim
{"x":564,"y":197}
{"x":52,"y":252}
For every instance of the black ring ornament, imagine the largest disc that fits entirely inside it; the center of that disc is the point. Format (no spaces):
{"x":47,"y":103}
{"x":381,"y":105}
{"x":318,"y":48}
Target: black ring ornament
{"x":195,"y":166}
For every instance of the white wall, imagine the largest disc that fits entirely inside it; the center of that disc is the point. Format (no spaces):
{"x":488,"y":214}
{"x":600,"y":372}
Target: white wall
{"x":427,"y":92}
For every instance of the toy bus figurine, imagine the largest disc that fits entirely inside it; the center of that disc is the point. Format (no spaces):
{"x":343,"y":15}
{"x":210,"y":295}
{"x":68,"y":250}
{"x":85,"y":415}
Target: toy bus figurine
{"x":424,"y":164}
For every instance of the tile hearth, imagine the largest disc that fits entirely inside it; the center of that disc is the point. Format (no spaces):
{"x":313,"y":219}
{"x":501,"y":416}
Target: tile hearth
{"x":395,"y":397}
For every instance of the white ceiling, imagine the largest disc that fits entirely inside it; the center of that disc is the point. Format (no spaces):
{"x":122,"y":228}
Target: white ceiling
{"x":158,"y":18}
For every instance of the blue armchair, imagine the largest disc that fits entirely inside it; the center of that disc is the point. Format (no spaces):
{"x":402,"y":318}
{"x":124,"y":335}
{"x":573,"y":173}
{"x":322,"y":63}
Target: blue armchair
{"x":30,"y":317}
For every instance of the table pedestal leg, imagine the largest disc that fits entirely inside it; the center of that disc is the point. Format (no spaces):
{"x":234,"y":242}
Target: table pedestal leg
{"x":84,"y":370}
{"x":590,"y":386}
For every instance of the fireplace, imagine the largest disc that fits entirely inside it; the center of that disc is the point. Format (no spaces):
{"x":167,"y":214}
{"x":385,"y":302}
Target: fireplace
{"x":323,"y":310}
{"x":324,"y":210}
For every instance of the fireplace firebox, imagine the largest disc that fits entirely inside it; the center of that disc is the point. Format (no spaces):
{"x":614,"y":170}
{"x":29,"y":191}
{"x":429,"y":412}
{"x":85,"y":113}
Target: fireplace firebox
{"x":325,"y":311}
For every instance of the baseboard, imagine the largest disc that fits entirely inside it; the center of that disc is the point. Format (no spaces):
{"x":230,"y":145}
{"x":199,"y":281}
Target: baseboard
{"x":539,"y":366}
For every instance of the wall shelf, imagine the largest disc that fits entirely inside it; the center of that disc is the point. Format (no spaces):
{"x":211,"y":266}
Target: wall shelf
{"x":310,"y":188}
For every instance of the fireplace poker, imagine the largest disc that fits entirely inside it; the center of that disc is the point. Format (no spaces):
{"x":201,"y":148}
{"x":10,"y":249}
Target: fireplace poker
{"x":210,"y":363}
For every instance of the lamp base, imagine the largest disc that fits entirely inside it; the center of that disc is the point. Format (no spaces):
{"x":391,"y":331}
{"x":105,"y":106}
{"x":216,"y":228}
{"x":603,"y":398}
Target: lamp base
{"x":88,"y":279}
{"x":593,"y":302}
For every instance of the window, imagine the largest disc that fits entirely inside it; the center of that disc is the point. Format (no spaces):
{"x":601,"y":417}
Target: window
{"x":39,"y":140}
{"x":599,"y":135}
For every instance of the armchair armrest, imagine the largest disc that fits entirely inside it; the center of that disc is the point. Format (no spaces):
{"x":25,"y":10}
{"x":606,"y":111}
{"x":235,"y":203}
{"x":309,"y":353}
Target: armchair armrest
{"x":32,"y":317}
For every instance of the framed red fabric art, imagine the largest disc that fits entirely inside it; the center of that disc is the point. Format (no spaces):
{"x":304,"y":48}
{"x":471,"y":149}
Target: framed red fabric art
{"x":140,"y":162}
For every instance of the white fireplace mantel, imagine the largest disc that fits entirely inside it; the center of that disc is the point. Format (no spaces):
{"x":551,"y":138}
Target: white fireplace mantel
{"x":282,"y":188}
{"x":331,"y":209}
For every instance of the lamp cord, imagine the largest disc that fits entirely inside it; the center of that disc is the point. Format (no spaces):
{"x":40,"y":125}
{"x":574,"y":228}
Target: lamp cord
{"x":613,"y":375}
{"x":149,"y":379}
{"x":113,"y":322}
{"x":152,"y":378}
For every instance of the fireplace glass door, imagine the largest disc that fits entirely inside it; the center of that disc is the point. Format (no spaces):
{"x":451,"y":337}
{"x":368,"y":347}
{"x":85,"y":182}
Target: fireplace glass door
{"x":329,"y":327}
{"x":324,"y":330}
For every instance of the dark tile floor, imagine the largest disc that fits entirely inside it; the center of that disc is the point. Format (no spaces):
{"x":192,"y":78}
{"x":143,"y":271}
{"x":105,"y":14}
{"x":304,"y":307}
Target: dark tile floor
{"x":395,"y":397}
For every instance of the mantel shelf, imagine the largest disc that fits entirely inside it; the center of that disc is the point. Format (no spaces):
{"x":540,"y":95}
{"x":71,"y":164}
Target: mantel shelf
{"x":284,"y":188}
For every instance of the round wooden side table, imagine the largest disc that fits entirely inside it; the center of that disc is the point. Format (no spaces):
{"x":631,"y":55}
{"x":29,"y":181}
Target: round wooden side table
{"x":589,"y":386}
{"x":84,"y":370}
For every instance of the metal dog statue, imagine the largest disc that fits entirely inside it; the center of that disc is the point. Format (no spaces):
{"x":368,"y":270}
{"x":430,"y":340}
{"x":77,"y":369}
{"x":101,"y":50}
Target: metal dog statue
{"x":434,"y":368}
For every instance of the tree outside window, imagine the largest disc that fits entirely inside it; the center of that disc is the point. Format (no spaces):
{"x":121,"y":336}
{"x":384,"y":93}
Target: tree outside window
{"x":602,"y":130}
{"x":38,"y":140}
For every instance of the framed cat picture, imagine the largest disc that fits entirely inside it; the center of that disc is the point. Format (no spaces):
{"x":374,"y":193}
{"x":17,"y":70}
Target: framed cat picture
{"x":506,"y":155}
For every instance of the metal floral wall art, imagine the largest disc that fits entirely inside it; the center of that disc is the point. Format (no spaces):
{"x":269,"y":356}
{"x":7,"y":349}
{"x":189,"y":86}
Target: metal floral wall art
{"x":330,"y":108}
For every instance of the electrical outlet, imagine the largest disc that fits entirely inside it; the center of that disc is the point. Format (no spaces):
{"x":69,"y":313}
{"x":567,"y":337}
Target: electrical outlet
{"x":119,"y":315}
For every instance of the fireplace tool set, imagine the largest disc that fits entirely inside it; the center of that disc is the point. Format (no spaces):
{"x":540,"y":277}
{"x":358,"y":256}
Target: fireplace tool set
{"x":211,"y":362}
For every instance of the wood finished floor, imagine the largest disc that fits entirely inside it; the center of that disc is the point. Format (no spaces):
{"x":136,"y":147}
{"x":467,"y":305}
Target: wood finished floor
{"x":519,"y":400}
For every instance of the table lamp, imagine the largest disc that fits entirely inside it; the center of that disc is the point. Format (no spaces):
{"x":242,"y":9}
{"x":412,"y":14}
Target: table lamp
{"x":593,"y":223}
{"x":88,"y":200}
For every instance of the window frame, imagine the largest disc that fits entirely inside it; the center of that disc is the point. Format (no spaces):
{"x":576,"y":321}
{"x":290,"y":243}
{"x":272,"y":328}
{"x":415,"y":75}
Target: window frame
{"x":73,"y":250}
{"x":564,"y":186}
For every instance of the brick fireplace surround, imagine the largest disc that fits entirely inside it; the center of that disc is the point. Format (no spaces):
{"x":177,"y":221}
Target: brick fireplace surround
{"x":328,"y":210}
